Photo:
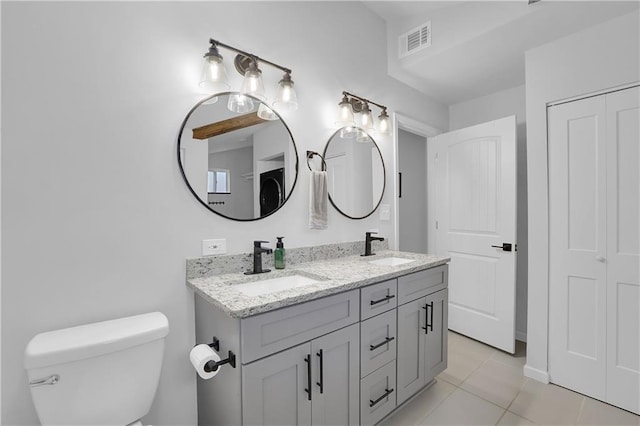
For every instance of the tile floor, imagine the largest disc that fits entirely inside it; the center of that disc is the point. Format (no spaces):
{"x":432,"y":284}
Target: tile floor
{"x":485,"y":386}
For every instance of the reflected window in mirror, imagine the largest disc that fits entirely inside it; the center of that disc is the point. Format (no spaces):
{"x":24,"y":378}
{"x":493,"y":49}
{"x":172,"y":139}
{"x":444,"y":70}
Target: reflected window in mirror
{"x":355,"y":172}
{"x":219,"y":149}
{"x":218,"y":182}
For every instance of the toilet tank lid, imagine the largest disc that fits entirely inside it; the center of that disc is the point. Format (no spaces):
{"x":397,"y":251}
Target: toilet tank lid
{"x":91,"y":340}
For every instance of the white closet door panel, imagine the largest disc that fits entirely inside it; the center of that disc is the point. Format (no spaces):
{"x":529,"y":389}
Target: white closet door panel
{"x":623,"y":251}
{"x":577,"y":236}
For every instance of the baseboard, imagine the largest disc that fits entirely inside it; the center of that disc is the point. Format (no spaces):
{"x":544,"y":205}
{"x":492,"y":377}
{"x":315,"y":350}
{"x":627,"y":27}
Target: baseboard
{"x":534,"y":373}
{"x":521,"y":335}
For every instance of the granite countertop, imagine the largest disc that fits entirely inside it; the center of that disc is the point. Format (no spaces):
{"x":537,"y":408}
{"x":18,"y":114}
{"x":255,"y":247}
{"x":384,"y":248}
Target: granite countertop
{"x":335,"y":276}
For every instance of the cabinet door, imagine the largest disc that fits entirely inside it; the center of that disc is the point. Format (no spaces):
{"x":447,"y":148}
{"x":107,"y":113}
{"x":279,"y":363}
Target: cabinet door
{"x":336,"y":378}
{"x":410,"y":360}
{"x":435,"y":342}
{"x":273,"y":389}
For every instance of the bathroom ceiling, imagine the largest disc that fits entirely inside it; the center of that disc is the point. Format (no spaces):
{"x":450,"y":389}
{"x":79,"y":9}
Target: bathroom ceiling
{"x":478,"y":47}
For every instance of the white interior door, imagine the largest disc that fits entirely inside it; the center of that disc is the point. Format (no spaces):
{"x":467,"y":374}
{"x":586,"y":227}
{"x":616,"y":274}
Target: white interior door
{"x":476,"y":216}
{"x":623,"y":249}
{"x":577,"y":245}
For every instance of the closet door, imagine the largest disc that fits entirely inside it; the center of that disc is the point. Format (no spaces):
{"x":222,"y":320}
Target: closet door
{"x":623,"y":249}
{"x":577,"y":245}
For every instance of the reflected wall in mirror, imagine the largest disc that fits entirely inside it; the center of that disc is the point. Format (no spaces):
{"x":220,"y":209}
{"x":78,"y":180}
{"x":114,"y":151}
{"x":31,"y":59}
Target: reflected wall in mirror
{"x":237,"y":164}
{"x":355,"y":172}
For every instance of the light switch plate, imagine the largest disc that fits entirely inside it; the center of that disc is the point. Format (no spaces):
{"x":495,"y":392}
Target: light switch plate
{"x":215,"y":246}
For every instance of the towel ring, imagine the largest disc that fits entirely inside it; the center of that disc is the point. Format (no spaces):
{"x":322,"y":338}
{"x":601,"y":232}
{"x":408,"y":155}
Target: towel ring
{"x":310,"y":155}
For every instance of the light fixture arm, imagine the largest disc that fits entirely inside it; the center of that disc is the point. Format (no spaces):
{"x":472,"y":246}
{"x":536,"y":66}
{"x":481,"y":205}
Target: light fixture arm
{"x":361,"y":99}
{"x":250,"y":55}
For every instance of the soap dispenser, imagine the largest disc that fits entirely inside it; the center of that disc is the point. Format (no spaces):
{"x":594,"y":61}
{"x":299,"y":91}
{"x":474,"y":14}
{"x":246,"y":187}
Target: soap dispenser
{"x":278,"y":254}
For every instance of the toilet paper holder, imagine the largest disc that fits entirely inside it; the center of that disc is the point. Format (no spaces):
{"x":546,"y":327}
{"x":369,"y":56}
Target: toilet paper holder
{"x":213,"y":365}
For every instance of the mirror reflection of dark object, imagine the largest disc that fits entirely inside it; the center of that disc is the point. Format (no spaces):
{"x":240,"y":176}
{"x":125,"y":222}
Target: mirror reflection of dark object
{"x":271,"y":191}
{"x":355,"y":172}
{"x":244,"y":146}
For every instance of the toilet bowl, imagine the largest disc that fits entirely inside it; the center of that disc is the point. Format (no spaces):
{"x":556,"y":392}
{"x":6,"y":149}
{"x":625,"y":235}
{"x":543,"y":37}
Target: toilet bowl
{"x":104,"y":373}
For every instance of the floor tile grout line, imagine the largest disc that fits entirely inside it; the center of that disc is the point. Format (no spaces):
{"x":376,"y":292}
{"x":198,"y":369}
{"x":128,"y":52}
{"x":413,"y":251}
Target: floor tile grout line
{"x":439,"y":403}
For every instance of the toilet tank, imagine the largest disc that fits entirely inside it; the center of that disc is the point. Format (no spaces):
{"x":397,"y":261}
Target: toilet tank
{"x":104,"y":373}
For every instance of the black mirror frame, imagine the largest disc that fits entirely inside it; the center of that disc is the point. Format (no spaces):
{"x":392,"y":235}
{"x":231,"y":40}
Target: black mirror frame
{"x":184,"y":176}
{"x":384,"y":175}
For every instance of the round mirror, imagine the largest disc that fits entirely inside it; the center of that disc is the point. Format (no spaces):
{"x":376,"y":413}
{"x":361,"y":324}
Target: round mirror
{"x":355,"y":172}
{"x":237,"y":156}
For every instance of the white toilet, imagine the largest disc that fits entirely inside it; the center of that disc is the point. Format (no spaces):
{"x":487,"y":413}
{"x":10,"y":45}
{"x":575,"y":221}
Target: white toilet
{"x":105,"y":373}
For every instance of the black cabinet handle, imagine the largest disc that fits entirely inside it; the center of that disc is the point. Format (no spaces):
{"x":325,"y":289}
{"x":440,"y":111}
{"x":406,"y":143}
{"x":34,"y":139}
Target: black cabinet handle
{"x":307,"y":359}
{"x":428,"y":318}
{"x":399,"y":184}
{"x":387,"y":392}
{"x":384,"y":299}
{"x":387,"y":340}
{"x":321,"y":382}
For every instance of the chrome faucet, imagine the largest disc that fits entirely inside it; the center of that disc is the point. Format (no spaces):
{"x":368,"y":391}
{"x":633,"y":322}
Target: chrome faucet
{"x":257,"y":258}
{"x":367,"y":243}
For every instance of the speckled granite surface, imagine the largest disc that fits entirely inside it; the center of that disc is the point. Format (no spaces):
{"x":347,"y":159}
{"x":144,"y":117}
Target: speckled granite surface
{"x":335,"y":274}
{"x":226,"y":264}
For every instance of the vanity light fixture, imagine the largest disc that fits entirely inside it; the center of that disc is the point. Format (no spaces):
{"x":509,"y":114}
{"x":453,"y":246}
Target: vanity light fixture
{"x":351,"y":104}
{"x":214,"y":77}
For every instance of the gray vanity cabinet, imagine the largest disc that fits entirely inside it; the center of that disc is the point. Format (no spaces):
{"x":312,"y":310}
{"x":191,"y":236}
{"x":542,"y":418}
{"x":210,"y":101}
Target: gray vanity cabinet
{"x":315,"y":383}
{"x":422,"y":331}
{"x":350,"y":358}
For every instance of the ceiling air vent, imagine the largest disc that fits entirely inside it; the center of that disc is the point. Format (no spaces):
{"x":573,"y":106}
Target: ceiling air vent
{"x":415,"y":40}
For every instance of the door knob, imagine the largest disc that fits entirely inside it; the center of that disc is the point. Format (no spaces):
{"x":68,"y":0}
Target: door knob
{"x":601,"y":259}
{"x":505,"y":246}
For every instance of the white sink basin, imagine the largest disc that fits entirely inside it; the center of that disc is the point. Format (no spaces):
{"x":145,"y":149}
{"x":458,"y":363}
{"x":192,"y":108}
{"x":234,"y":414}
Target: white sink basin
{"x":391,"y":261}
{"x":272,"y":285}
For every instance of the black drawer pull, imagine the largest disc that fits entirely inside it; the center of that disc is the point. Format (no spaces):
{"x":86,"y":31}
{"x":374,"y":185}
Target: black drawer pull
{"x":387,"y":392}
{"x":428,"y":320}
{"x":321,"y":382}
{"x":387,"y":340}
{"x":307,"y":359}
{"x":384,"y":299}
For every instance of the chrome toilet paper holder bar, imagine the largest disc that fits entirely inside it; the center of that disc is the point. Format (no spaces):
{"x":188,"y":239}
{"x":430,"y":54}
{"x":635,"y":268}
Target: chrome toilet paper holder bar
{"x":213,"y":365}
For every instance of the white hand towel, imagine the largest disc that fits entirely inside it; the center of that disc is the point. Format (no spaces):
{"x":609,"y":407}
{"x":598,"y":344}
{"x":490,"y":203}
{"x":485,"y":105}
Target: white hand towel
{"x":318,"y":200}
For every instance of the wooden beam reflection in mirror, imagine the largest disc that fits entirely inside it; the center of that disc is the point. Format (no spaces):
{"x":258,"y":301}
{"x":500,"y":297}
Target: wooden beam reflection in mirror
{"x":225,"y":126}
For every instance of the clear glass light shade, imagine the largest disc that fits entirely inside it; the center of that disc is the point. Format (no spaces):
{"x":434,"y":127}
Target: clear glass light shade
{"x":384,"y":123}
{"x":362,"y":136}
{"x":348,"y":132}
{"x":345,"y":114}
{"x":240,"y":104}
{"x":252,"y":83}
{"x":267,"y":113}
{"x":366,"y":119}
{"x":214,"y":75}
{"x":286,"y":98}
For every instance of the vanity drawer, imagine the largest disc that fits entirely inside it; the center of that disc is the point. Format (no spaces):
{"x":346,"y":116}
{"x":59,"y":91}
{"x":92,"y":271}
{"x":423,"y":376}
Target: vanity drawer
{"x":378,"y":298}
{"x":377,"y":342}
{"x":264,"y":334}
{"x":420,"y":284}
{"x":378,"y":394}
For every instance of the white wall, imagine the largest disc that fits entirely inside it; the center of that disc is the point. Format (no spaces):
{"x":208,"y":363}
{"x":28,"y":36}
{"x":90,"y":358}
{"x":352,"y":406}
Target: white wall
{"x":604,"y":56}
{"x":491,"y":107}
{"x":93,"y":97}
